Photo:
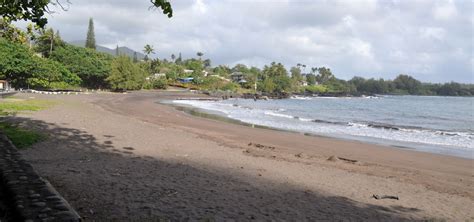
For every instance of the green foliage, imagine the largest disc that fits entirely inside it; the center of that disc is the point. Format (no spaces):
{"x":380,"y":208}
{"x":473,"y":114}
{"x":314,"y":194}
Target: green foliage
{"x":164,"y":5}
{"x":156,"y":83}
{"x":47,"y":41}
{"x":16,"y":63}
{"x":50,"y":74}
{"x":230,"y":86}
{"x":25,"y":10}
{"x":311,"y":79}
{"x":317,"y":89}
{"x":11,"y":33}
{"x":125,"y":75}
{"x":275,"y":79}
{"x":407,"y":83}
{"x":91,"y":66}
{"x":21,"y":138}
{"x":148,"y":49}
{"x":196,"y":65}
{"x":324,"y":75}
{"x":14,"y":106}
{"x":266,"y":86}
{"x":90,"y":39}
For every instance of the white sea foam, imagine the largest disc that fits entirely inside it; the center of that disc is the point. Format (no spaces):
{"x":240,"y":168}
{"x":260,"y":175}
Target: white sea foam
{"x":281,"y":118}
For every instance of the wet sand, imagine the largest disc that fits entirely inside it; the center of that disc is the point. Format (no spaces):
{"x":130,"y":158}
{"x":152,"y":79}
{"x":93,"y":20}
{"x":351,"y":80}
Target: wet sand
{"x":123,"y":157}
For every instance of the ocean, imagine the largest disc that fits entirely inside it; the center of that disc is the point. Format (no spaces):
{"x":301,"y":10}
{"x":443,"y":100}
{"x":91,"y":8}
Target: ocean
{"x":443,"y":125}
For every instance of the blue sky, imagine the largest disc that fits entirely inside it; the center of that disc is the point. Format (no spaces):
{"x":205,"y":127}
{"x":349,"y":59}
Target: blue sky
{"x":431,"y":40}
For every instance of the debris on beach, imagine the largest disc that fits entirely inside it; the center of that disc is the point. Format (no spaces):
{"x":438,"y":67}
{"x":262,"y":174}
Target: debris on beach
{"x":379,"y":197}
{"x":336,"y":158}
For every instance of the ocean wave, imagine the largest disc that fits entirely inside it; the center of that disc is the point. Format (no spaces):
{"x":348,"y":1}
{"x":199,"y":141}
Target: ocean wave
{"x":282,"y":118}
{"x":279,"y":115}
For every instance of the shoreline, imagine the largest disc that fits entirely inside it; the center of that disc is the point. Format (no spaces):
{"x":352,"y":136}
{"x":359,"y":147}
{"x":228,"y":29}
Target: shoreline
{"x":123,"y":157}
{"x":417,"y":147}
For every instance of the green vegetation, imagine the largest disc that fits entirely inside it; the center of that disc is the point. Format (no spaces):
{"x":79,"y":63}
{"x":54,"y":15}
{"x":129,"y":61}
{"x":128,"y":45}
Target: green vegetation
{"x":125,"y":75}
{"x":90,"y":39}
{"x":92,"y":67}
{"x":26,"y":70}
{"x":13,"y":106}
{"x":20,"y":137}
{"x":63,"y":66}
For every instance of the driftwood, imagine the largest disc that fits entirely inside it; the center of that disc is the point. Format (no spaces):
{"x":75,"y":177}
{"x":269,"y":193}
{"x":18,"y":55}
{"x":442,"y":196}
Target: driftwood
{"x":378,"y":197}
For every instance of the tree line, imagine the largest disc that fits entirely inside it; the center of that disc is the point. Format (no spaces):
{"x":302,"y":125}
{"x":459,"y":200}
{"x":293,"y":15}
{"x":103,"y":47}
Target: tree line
{"x":64,"y":66}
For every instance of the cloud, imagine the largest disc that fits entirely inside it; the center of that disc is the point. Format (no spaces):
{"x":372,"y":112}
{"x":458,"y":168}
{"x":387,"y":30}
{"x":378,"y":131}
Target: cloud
{"x":431,"y":40}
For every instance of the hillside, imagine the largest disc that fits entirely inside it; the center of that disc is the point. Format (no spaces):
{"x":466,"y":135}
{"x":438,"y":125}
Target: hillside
{"x":122,"y":50}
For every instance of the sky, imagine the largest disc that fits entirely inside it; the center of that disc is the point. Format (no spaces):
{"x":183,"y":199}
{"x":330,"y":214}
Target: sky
{"x":431,"y":40}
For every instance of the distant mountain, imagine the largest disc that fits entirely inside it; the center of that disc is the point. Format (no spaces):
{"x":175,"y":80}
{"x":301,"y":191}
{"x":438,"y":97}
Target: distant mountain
{"x":122,"y":50}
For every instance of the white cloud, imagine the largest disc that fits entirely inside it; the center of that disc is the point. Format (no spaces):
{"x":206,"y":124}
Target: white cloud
{"x":444,"y":9}
{"x":361,"y":37}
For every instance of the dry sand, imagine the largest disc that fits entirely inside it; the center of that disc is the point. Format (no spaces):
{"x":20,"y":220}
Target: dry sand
{"x":123,"y":157}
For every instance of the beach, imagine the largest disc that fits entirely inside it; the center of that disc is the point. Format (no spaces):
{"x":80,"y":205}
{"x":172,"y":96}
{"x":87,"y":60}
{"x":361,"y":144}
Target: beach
{"x":127,"y":157}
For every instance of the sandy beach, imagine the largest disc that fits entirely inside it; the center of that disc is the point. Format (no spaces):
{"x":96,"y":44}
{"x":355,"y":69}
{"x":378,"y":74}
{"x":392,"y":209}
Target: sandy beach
{"x":126,"y":157}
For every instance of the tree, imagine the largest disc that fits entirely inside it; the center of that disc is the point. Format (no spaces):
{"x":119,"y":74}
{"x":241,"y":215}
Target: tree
{"x":148,"y":49}
{"x":179,"y":60}
{"x":135,"y":57}
{"x":324,"y":75}
{"x":16,"y":63}
{"x":311,"y":79}
{"x":47,"y":41}
{"x":407,"y":83}
{"x":90,"y":40}
{"x":25,"y":70}
{"x":125,"y":75}
{"x":11,"y":33}
{"x":240,"y":68}
{"x":117,"y":53}
{"x":35,"y":10}
{"x":173,"y":57}
{"x":49,"y":74}
{"x":199,"y":54}
{"x":207,"y":63}
{"x":276,"y":74}
{"x":274,"y":70}
{"x":296,"y":74}
{"x":91,"y":66}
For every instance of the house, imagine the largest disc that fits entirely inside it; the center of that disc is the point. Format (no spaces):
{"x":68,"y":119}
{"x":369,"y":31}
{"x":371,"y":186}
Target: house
{"x":188,"y":71}
{"x":238,"y":77}
{"x":156,"y":76}
{"x":186,"y":80}
{"x":4,"y":85}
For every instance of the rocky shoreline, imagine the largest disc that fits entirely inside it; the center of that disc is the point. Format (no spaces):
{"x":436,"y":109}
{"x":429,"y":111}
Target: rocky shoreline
{"x":25,"y":196}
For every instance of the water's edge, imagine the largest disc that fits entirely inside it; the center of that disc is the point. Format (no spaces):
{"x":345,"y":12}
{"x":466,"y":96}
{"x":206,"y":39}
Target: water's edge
{"x":209,"y":114}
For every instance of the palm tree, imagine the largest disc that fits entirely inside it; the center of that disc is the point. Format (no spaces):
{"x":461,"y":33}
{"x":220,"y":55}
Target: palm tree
{"x":148,"y":49}
{"x":200,"y":54}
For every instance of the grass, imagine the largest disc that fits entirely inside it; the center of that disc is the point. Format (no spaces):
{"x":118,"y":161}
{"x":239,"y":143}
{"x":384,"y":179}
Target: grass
{"x":12,"y":106}
{"x":21,"y":138}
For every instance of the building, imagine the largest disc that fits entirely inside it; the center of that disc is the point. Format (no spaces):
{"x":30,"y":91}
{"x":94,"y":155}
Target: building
{"x":186,"y":80}
{"x":156,"y":76}
{"x":4,"y":85}
{"x":238,"y":77}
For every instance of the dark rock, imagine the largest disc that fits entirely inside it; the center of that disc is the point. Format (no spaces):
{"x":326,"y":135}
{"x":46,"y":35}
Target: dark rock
{"x":38,"y":204}
{"x":34,"y":196}
{"x":47,"y":209}
{"x":60,"y":207}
